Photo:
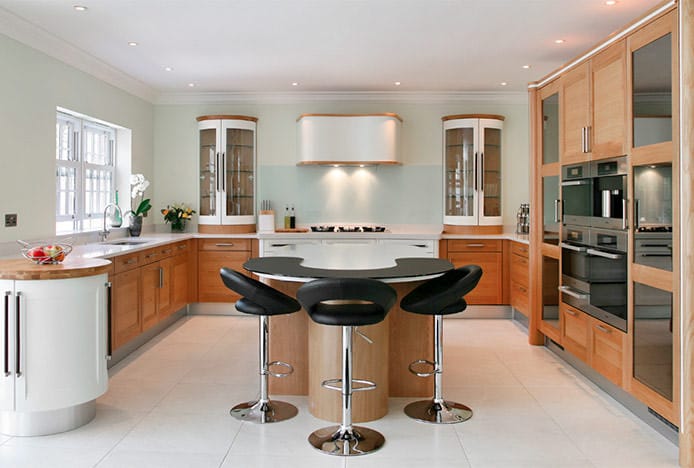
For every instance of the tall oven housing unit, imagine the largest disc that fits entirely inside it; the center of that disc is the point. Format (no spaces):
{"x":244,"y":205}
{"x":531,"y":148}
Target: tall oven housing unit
{"x":227,"y":170}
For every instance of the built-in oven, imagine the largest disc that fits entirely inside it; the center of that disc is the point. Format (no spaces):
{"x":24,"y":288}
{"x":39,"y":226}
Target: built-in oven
{"x":594,"y":273}
{"x":577,"y":194}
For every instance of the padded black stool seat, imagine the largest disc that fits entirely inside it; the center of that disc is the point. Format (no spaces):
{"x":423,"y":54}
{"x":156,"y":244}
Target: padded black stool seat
{"x":261,"y":300}
{"x":348,"y":303}
{"x":438,"y":297}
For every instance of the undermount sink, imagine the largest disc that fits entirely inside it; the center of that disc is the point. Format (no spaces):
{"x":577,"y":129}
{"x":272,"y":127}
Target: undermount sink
{"x":126,"y":242}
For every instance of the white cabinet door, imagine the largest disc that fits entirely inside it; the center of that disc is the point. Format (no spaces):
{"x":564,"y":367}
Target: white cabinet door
{"x":424,"y":248}
{"x":7,"y":346}
{"x":62,"y":345}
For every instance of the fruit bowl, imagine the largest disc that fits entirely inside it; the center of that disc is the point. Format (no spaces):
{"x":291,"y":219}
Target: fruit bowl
{"x":45,"y":253}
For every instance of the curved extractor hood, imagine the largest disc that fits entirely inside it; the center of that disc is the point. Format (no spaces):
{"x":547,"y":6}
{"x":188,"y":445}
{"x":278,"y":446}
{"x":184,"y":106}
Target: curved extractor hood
{"x":348,"y":139}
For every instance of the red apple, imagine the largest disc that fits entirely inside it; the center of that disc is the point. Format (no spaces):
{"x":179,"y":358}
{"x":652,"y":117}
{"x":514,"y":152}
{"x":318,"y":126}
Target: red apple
{"x":36,"y":253}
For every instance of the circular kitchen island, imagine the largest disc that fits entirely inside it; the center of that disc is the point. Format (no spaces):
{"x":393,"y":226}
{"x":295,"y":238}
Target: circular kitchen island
{"x":314,"y":349}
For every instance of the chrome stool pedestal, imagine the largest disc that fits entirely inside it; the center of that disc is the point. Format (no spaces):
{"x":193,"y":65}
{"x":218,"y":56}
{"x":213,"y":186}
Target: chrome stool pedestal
{"x":265,"y":410}
{"x":346,"y":439}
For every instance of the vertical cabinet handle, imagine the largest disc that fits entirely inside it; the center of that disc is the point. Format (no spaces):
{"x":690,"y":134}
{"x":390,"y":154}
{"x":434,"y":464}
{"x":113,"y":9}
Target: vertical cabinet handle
{"x":18,"y":335}
{"x":557,"y":211}
{"x":482,"y":172}
{"x":161,"y":278}
{"x":589,"y":130}
{"x":624,"y":213}
{"x":7,"y":334}
{"x":216,"y":171}
{"x":224,"y":172}
{"x":636,"y":214}
{"x":475,"y":174}
{"x":109,"y":315}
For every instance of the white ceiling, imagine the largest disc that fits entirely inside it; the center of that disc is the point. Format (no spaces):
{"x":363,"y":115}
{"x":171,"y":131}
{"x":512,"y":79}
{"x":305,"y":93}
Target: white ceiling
{"x":325,"y":45}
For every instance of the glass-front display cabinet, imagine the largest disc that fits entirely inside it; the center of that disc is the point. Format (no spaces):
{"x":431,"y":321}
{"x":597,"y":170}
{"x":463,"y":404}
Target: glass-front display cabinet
{"x":472,"y":171}
{"x":227,"y":173}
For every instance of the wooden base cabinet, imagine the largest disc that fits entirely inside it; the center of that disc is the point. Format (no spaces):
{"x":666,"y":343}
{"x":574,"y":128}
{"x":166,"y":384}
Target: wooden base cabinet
{"x":519,"y":278}
{"x":488,"y":254}
{"x":594,"y":342}
{"x":125,"y":315}
{"x":213,"y":254}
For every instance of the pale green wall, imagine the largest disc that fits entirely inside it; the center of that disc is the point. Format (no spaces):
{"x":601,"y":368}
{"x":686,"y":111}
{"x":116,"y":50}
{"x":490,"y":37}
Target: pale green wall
{"x":32,"y":85}
{"x":408,"y":194}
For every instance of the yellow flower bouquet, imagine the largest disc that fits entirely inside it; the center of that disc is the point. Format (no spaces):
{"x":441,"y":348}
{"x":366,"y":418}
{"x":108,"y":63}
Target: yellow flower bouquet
{"x":177,"y":215}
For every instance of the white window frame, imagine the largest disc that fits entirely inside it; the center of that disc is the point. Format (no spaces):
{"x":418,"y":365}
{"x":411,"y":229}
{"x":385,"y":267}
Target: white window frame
{"x":76,"y":146}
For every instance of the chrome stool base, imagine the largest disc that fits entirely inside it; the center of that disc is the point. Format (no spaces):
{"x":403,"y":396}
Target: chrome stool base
{"x":358,"y":441}
{"x":264,"y":412}
{"x":429,"y":411}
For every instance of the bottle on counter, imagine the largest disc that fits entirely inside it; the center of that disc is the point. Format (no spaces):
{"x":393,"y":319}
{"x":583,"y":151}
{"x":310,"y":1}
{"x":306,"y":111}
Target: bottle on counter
{"x":116,"y":216}
{"x":292,"y":218}
{"x":286,"y":217}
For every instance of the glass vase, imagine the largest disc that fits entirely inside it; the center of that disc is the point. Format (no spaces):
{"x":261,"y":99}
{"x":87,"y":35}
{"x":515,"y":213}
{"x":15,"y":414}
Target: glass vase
{"x":178,"y":225}
{"x":135,"y":228}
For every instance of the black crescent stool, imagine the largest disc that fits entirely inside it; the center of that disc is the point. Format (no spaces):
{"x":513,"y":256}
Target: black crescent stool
{"x":262,"y":300}
{"x":438,"y":297}
{"x":347,"y":303}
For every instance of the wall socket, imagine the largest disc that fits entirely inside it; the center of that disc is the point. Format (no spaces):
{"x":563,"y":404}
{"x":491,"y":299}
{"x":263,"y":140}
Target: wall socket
{"x":11,"y":220}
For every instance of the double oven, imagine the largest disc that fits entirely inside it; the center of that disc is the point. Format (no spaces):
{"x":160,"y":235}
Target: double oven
{"x":594,"y":239}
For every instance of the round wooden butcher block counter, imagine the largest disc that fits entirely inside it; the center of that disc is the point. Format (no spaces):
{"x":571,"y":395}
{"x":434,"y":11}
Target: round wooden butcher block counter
{"x":23,"y":269}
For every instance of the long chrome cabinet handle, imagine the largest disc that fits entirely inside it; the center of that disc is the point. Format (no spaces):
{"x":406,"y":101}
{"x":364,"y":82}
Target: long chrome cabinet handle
{"x":588,"y":132}
{"x":482,"y":171}
{"x":7,"y":334}
{"x":161,"y":278}
{"x":217,"y":170}
{"x":224,"y":172}
{"x":564,"y":245}
{"x":583,"y":139}
{"x":636,"y":213}
{"x":18,"y":335}
{"x":557,"y":211}
{"x":109,"y":314}
{"x":570,"y":183}
{"x":223,"y":244}
{"x":572,"y":293}
{"x":624,"y":213}
{"x":475,"y":174}
{"x":600,"y":253}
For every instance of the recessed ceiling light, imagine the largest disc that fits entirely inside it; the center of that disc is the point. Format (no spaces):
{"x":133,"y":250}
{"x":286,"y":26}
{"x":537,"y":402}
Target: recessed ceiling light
{"x":191,"y":85}
{"x":132,"y":44}
{"x":526,"y":66}
{"x":295,"y":83}
{"x":559,"y":41}
{"x":397,"y":83}
{"x":503,"y":83}
{"x":168,"y":69}
{"x":611,"y":2}
{"x":80,"y":7}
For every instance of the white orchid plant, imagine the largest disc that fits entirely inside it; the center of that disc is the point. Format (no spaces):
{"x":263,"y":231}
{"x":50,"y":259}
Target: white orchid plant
{"x":139,"y":185}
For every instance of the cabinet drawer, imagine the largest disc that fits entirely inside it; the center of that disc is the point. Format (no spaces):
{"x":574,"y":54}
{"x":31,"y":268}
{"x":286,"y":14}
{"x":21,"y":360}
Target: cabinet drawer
{"x":126,"y":262}
{"x":607,"y":351}
{"x":519,"y":269}
{"x":225,"y":244}
{"x":519,"y":249}
{"x":150,"y":255}
{"x":575,"y":332}
{"x":166,"y":251}
{"x":519,"y":297}
{"x":474,"y":245}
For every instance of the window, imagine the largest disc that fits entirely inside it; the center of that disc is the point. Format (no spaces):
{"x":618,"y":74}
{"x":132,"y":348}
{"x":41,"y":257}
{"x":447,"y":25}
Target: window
{"x":85,"y":172}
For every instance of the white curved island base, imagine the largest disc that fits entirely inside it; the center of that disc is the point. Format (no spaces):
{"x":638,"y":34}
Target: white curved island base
{"x":53,"y":346}
{"x":38,"y":423}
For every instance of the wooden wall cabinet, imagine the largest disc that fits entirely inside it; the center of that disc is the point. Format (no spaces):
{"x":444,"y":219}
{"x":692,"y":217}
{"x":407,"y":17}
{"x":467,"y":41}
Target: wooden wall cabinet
{"x":594,"y":107}
{"x":488,"y":254}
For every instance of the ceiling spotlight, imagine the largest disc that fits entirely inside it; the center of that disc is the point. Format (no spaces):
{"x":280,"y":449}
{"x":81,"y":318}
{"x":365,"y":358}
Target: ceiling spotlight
{"x":559,"y":41}
{"x":503,"y":83}
{"x":168,"y":69}
{"x":526,"y":66}
{"x":80,"y":8}
{"x":611,"y":2}
{"x":295,"y":83}
{"x":397,"y":83}
{"x":132,"y":44}
{"x":191,"y":85}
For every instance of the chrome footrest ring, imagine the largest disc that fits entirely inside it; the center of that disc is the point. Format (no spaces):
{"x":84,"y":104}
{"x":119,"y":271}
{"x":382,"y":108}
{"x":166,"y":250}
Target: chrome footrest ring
{"x":366,"y":385}
{"x":288,"y":366}
{"x":412,"y":365}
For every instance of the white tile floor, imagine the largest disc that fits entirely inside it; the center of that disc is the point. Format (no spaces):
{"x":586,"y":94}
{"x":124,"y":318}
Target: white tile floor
{"x":167,"y":406}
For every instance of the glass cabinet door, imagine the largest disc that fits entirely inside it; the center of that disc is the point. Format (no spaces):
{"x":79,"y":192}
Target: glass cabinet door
{"x":461,"y":197}
{"x":550,"y":291}
{"x":653,"y":215}
{"x":653,"y":339}
{"x":208,"y":172}
{"x":551,"y":211}
{"x":239,"y":172}
{"x":491,"y":172}
{"x":550,"y":129}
